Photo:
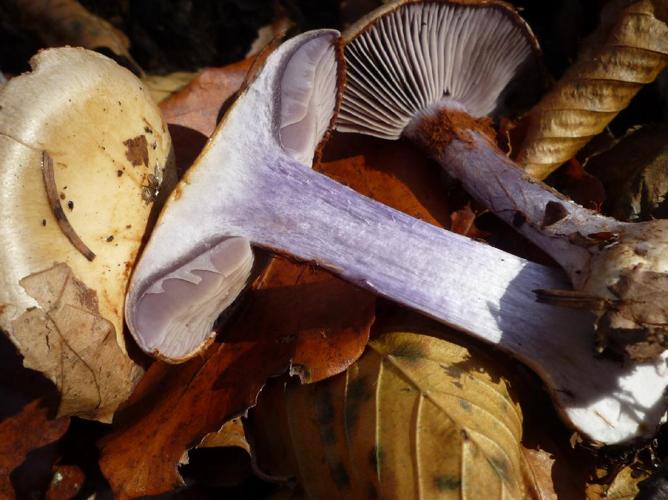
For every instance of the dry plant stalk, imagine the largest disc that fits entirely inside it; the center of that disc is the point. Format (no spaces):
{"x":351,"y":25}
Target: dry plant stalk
{"x":629,"y":50}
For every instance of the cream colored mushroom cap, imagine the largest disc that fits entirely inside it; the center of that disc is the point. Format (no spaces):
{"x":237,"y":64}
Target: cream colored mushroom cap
{"x":109,"y":146}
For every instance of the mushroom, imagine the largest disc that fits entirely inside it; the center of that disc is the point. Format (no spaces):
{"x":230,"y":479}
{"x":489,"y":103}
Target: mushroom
{"x":433,"y":72}
{"x":82,"y":151}
{"x":251,"y":184}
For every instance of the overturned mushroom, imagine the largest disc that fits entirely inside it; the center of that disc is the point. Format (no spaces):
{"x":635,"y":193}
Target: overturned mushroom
{"x":251,"y":184}
{"x":433,"y":71}
{"x":79,"y":140}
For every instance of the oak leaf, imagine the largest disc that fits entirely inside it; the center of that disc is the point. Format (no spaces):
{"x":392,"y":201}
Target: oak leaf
{"x":66,"y":339}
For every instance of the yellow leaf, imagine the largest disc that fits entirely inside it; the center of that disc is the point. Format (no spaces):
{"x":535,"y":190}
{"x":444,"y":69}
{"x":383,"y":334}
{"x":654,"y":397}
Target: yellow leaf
{"x":624,"y":486}
{"x":162,"y":86}
{"x":415,"y":417}
{"x":621,"y":57}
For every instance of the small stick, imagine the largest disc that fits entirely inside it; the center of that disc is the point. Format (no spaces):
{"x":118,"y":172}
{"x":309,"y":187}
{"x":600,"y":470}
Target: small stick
{"x":57,"y":209}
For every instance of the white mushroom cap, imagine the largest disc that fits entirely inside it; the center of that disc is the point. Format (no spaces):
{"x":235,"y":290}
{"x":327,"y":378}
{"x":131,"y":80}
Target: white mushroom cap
{"x":179,"y":289}
{"x":109,"y":147}
{"x":408,"y":57}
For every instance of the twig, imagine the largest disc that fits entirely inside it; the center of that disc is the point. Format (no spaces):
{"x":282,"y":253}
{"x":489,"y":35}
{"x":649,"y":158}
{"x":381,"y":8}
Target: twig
{"x":57,"y":209}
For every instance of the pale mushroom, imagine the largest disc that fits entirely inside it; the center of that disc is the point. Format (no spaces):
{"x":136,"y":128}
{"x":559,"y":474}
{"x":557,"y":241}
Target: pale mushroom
{"x":433,"y":71}
{"x":252,"y":184}
{"x":82,"y":153}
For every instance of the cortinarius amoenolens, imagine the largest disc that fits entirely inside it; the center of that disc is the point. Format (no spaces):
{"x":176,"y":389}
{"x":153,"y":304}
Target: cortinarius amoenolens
{"x":252,"y":184}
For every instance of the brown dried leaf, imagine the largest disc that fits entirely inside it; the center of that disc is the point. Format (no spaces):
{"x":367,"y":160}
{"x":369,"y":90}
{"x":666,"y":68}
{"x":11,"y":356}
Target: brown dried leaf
{"x":635,"y":174}
{"x":67,"y":22}
{"x":66,"y":482}
{"x":294,"y":313}
{"x":222,"y":458}
{"x":416,"y":416}
{"x":26,"y":405}
{"x":628,"y":50}
{"x":395,"y":173}
{"x":66,"y":339}
{"x":198,"y":105}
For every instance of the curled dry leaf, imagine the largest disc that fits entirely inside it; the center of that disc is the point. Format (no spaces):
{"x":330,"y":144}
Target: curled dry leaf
{"x":635,"y":174}
{"x":628,"y":50}
{"x":67,"y":22}
{"x":109,"y":148}
{"x":415,"y":417}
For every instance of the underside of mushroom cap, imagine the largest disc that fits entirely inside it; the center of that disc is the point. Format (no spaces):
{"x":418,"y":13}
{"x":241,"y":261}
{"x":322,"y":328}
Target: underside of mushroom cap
{"x":411,"y":56}
{"x":197,"y":262}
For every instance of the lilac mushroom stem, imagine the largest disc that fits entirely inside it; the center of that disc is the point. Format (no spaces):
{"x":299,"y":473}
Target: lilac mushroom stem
{"x":251,"y":185}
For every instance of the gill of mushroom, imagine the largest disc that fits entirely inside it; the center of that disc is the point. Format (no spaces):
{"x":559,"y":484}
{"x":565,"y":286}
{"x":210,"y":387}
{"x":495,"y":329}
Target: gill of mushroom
{"x":251,"y":184}
{"x":433,"y":71}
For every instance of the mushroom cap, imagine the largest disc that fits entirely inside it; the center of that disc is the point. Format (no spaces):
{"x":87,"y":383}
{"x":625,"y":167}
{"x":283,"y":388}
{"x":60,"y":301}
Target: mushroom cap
{"x":109,"y":146}
{"x":409,"y":57}
{"x":197,"y":261}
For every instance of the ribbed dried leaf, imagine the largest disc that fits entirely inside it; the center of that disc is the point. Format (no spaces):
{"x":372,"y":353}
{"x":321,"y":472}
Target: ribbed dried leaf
{"x":627,"y":51}
{"x":415,"y":417}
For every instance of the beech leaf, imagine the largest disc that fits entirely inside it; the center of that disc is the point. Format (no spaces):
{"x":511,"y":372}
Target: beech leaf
{"x":415,"y":417}
{"x":628,"y":50}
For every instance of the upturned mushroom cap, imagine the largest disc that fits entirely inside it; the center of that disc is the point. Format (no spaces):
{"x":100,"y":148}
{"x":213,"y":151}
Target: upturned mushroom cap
{"x":409,"y":57}
{"x":179,"y":289}
{"x":109,"y":146}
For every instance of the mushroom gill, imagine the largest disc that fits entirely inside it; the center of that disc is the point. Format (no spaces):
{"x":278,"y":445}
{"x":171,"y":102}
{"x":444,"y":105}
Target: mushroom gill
{"x":411,"y":56}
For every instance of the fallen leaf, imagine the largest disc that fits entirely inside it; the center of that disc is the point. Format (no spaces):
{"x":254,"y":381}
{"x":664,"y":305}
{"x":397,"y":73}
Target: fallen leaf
{"x":394,"y":173}
{"x":66,"y":482}
{"x":198,"y":105}
{"x":293,"y":314}
{"x":162,"y":86}
{"x":27,"y":431}
{"x":66,"y":339}
{"x":67,"y":22}
{"x":635,"y":174}
{"x":623,"y":486}
{"x":462,"y":221}
{"x":627,"y":51}
{"x":537,"y":465}
{"x":222,"y":458}
{"x":415,"y":417}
